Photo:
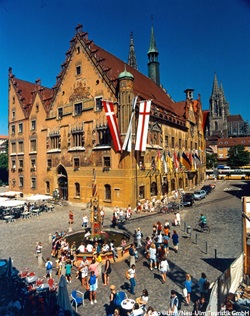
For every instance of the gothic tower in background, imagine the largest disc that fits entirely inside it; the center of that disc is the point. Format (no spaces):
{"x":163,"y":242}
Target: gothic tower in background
{"x":219,"y":111}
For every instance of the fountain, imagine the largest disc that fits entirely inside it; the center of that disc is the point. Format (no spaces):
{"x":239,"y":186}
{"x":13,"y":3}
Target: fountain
{"x":96,"y":234}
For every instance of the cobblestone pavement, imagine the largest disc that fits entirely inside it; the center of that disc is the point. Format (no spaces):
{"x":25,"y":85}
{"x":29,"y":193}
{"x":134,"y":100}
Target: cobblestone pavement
{"x":196,"y":252}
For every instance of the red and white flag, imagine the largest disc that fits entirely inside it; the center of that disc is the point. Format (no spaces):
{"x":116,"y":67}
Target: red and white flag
{"x":112,"y":123}
{"x":127,"y":144}
{"x":142,"y":129}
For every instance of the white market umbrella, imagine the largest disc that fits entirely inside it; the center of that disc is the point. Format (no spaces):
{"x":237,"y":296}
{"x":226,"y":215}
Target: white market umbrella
{"x":11,"y":203}
{"x":39,"y":197}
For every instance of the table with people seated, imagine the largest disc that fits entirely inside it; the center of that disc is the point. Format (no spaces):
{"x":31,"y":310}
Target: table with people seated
{"x":36,"y":211}
{"x":128,"y":304}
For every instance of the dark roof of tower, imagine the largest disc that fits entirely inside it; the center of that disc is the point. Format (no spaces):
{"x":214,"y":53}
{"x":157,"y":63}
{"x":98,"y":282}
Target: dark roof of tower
{"x":132,"y":57}
{"x":152,"y":46}
{"x":235,"y":118}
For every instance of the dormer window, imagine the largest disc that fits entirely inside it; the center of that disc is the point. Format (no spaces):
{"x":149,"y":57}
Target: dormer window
{"x":78,"y":70}
{"x":33,"y":125}
{"x":78,"y":49}
{"x":60,"y":113}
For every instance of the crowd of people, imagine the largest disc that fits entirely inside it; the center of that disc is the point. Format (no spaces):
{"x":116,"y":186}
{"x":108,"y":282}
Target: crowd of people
{"x":154,"y":247}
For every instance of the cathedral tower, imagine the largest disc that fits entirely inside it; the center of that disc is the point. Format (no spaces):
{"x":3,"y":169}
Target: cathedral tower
{"x":153,"y":64}
{"x":219,"y":110}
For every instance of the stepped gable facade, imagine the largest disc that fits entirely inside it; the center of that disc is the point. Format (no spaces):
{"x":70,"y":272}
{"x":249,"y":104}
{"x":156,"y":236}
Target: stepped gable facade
{"x":59,"y":137}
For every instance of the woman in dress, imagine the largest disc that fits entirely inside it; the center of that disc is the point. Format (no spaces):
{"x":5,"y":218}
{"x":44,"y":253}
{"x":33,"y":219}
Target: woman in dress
{"x":188,"y":287}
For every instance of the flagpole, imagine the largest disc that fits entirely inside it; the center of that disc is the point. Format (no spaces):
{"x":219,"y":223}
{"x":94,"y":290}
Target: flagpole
{"x":136,"y":157}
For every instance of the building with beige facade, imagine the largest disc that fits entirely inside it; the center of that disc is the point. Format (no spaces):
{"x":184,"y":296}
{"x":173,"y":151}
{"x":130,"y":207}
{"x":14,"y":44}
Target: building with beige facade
{"x":59,"y":138}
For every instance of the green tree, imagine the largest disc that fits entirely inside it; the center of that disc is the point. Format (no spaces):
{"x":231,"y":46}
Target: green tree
{"x":3,"y":168}
{"x":238,"y":156}
{"x":211,"y":161}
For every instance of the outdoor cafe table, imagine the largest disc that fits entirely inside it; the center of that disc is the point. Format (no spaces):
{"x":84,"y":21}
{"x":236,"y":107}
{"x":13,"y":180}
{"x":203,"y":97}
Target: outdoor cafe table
{"x":9,"y":218}
{"x":36,"y":211}
{"x":128,"y":304}
{"x":25,"y":214}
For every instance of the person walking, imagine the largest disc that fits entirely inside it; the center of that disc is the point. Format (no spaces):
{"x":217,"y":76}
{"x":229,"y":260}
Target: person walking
{"x":187,"y":289}
{"x":48,"y":267}
{"x":152,"y":256}
{"x":68,"y":268}
{"x":175,"y":239}
{"x":203,"y":285}
{"x":139,"y":236}
{"x":174,"y":302}
{"x":71,"y":217}
{"x":92,"y":287}
{"x":164,"y":267}
{"x":132,"y":255}
{"x":132,"y":277}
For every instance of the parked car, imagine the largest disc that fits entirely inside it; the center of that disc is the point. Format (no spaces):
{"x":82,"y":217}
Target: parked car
{"x":207,"y":188}
{"x":200,"y":194}
{"x":188,"y":199}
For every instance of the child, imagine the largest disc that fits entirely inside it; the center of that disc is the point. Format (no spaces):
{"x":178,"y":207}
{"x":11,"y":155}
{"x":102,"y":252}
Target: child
{"x":68,"y":268}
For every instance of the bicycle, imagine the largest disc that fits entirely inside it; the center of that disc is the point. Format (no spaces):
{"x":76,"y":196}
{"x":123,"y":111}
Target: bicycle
{"x":203,"y":229}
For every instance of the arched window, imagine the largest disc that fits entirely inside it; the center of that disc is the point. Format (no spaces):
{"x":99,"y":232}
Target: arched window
{"x":153,"y":189}
{"x":77,"y":189}
{"x":107,"y":192}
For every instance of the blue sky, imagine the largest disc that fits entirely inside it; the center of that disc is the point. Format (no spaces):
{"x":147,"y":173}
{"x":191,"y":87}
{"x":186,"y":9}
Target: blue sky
{"x":195,"y":39}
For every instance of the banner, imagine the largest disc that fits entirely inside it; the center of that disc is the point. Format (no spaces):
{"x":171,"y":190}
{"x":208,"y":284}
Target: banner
{"x":127,"y":145}
{"x":112,"y":123}
{"x":142,"y":128}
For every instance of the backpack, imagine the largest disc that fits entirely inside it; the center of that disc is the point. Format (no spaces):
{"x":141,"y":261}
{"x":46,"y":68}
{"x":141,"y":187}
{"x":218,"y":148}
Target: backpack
{"x":119,"y":297}
{"x":177,"y":302}
{"x":49,"y":266}
{"x":206,"y":285}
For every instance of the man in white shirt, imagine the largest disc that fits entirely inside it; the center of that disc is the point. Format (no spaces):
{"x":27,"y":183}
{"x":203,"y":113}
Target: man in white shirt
{"x":81,"y":248}
{"x":89,"y":248}
{"x":84,"y":269}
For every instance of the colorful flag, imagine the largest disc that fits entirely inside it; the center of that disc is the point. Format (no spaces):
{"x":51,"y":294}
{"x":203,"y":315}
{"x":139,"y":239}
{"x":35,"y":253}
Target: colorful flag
{"x":185,"y":161}
{"x":170,"y":162}
{"x":197,"y":158}
{"x":176,"y":162}
{"x":164,"y":161}
{"x":112,"y":123}
{"x":158,"y":160}
{"x":128,"y":139}
{"x":142,"y":129}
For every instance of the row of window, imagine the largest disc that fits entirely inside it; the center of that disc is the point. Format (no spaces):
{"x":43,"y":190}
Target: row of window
{"x":76,"y":161}
{"x":172,"y":142}
{"x":21,"y":182}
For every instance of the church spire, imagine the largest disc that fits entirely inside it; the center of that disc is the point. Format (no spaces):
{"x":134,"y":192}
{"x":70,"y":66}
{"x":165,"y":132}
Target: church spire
{"x":215,"y":89}
{"x":153,"y":64}
{"x":131,"y":57}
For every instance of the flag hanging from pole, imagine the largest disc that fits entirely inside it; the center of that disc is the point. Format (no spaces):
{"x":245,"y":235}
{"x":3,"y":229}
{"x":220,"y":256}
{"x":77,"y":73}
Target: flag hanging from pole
{"x":112,"y":123}
{"x":158,"y":159}
{"x":185,"y":161}
{"x":170,"y":162}
{"x":164,"y":161}
{"x":128,"y":139}
{"x":142,"y":128}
